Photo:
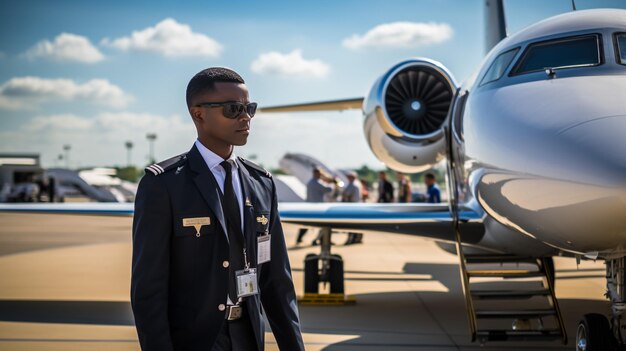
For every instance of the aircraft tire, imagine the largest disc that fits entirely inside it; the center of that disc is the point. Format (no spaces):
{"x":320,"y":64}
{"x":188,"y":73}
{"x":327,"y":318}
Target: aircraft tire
{"x":594,"y":334}
{"x":311,"y":274}
{"x":336,"y":275}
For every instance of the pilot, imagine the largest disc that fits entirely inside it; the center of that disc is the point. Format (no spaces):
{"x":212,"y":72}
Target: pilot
{"x":208,"y":246}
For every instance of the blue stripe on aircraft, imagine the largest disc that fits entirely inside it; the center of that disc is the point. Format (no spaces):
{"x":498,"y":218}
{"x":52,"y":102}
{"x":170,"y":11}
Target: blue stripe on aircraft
{"x":303,"y":214}
{"x":334,"y":213}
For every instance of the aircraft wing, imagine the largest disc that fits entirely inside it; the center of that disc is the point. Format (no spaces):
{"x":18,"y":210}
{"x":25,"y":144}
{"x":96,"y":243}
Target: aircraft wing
{"x":93,"y":208}
{"x":427,"y":220}
{"x":331,"y":105}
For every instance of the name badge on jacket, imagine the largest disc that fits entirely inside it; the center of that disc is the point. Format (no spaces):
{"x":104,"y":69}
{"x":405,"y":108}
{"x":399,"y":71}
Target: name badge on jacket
{"x":197,"y":223}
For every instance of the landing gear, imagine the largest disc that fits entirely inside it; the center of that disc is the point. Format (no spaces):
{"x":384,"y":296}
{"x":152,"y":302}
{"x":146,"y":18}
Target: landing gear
{"x":331,"y":270}
{"x":616,"y":292}
{"x":311,"y":273}
{"x":594,"y":334}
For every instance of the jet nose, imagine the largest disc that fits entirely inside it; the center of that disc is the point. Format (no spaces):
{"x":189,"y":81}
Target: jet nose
{"x":602,"y":141}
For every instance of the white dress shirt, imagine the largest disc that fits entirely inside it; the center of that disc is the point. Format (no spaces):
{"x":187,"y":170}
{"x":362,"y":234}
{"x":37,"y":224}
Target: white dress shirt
{"x":213,"y":162}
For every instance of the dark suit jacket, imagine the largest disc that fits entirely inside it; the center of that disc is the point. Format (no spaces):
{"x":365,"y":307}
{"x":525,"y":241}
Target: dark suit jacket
{"x":179,"y":279}
{"x":385,"y":193}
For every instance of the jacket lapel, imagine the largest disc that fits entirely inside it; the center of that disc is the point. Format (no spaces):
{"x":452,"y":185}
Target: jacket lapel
{"x":206,"y":184}
{"x":246,"y":187}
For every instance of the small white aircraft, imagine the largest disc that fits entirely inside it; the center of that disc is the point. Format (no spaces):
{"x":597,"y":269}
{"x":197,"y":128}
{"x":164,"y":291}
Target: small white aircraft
{"x":536,"y":155}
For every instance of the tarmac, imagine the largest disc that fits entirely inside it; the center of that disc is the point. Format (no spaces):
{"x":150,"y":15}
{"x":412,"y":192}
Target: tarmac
{"x":66,"y":287}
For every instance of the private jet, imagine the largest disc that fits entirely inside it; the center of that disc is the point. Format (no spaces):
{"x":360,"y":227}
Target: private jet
{"x":536,"y":165}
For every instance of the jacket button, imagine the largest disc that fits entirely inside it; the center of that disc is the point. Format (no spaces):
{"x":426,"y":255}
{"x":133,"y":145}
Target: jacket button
{"x":225,"y":264}
{"x":221,"y":307}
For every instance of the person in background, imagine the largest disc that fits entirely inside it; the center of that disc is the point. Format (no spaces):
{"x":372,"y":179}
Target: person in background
{"x":318,"y":187}
{"x":432,"y":190}
{"x":365,"y":191}
{"x":352,"y":193}
{"x":404,"y":188}
{"x":316,"y":190}
{"x":385,"y":189}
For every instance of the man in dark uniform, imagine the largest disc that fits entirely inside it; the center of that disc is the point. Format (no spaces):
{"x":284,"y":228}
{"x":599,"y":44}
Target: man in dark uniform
{"x":208,"y":246}
{"x":385,"y":189}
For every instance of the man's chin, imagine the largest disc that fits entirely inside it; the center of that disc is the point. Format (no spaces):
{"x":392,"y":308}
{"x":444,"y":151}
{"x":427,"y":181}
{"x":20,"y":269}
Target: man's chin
{"x":240,"y":141}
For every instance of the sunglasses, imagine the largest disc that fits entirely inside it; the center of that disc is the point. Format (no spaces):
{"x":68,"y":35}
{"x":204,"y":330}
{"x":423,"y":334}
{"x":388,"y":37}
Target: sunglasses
{"x":232,"y":109}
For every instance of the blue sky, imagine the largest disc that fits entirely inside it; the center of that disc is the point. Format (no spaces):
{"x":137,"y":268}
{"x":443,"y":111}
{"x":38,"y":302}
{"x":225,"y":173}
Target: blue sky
{"x":99,"y":85}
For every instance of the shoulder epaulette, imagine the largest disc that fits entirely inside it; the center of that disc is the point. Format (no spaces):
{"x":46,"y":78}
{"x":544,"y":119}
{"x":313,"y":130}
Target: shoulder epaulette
{"x":256,"y":167}
{"x":164,"y":166}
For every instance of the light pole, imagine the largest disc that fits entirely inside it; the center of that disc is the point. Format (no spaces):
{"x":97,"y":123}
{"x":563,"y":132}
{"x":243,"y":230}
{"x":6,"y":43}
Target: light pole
{"x":151,"y":138}
{"x":129,"y":146}
{"x":67,"y":148}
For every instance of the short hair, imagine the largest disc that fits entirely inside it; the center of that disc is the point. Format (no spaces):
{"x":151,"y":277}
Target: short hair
{"x":430,"y":176}
{"x":205,"y":81}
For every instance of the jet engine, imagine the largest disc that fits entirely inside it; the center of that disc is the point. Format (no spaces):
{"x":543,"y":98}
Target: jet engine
{"x":405,"y":113}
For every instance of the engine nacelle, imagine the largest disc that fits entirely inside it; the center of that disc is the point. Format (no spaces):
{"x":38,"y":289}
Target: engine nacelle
{"x":405,"y":113}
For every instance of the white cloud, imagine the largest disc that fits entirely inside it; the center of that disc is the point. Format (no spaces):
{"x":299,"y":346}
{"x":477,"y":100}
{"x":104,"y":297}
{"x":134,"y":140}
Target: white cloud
{"x":28,"y":92}
{"x":291,"y":64}
{"x":66,"y":122}
{"x":400,"y":35}
{"x":114,"y":122}
{"x":168,"y":38}
{"x":66,"y":47}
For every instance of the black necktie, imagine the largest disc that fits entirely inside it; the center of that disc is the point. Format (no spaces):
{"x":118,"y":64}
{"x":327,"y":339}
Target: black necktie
{"x":230,"y":207}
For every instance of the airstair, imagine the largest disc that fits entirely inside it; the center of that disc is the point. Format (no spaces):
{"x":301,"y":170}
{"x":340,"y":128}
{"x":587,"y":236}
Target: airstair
{"x":510,"y":298}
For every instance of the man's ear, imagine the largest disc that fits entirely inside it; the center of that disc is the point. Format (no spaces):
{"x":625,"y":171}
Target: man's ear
{"x":196,"y":114}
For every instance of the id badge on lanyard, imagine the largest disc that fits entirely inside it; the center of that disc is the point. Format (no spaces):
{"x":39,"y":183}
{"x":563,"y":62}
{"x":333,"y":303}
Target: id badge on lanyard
{"x":247,"y":284}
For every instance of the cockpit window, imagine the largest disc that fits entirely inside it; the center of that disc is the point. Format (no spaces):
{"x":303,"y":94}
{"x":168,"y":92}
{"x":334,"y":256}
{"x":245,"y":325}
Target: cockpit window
{"x":620,"y":40}
{"x":561,"y":53}
{"x":499,"y":66}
